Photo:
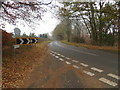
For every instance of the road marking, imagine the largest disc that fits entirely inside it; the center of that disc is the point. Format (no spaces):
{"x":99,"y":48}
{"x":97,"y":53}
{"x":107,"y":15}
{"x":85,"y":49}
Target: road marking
{"x":75,"y":66}
{"x":58,"y":54}
{"x":113,"y":76}
{"x":88,"y":73}
{"x":55,"y":52}
{"x":67,"y":58}
{"x":53,"y":55}
{"x":50,"y":53}
{"x":68,"y":62}
{"x":75,"y":61}
{"x":56,"y":57}
{"x":61,"y":59}
{"x":96,"y":69}
{"x":108,"y":81}
{"x":85,"y":65}
{"x":62,"y":56}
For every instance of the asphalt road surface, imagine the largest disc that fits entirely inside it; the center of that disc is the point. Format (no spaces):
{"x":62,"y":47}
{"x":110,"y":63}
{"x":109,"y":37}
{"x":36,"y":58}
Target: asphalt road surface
{"x":96,"y":65}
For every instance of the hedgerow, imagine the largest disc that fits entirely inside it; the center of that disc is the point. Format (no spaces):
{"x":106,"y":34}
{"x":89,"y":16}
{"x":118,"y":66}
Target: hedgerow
{"x":7,"y":43}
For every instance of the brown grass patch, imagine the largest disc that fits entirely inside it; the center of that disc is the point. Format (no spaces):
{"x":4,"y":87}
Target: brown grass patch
{"x":18,"y":68}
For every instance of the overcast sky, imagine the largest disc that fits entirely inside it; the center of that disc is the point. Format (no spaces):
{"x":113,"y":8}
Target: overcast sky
{"x":46,"y":25}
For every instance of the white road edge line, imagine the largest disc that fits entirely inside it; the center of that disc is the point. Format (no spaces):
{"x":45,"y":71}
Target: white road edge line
{"x":61,"y":59}
{"x":62,"y":56}
{"x":75,"y":66}
{"x":108,"y":81}
{"x":56,"y":57}
{"x":68,"y":62}
{"x":75,"y":61}
{"x":67,"y":58}
{"x":50,"y":53}
{"x":88,"y":73}
{"x":55,"y":52}
{"x":85,"y":65}
{"x":58,"y":54}
{"x":113,"y":76}
{"x":96,"y":69}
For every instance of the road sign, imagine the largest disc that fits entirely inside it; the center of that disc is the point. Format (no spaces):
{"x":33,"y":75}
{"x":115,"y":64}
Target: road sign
{"x":23,"y":41}
{"x":17,"y":32}
{"x":26,"y":40}
{"x":34,"y":40}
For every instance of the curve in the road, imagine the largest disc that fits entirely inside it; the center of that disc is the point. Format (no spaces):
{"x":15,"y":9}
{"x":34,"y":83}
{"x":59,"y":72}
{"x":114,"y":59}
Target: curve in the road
{"x":69,"y":61}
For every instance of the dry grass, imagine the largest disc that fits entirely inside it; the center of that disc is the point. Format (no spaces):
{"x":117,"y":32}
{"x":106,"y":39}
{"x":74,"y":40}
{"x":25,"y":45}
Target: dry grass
{"x":106,"y":48}
{"x":16,"y":69}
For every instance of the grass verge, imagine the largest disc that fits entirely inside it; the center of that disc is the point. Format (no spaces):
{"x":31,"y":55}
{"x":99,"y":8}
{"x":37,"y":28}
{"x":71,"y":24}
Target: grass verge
{"x":105,"y":48}
{"x":18,"y":68}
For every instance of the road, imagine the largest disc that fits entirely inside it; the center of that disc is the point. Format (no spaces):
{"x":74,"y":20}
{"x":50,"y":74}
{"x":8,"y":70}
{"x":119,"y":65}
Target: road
{"x":101,"y":66}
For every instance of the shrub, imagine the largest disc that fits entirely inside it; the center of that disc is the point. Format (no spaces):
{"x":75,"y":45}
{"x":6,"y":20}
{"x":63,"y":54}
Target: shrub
{"x":7,"y":43}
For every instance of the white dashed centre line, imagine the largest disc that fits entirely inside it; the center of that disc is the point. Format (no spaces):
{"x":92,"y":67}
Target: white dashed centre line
{"x":75,"y":66}
{"x":113,"y":76}
{"x":61,"y":59}
{"x":85,"y":65}
{"x":108,"y":81}
{"x":96,"y":69}
{"x":88,"y":73}
{"x":68,"y":62}
{"x":75,"y":61}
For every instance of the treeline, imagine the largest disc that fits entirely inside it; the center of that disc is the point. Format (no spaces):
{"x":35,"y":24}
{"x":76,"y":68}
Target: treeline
{"x":33,"y":35}
{"x":89,"y":22}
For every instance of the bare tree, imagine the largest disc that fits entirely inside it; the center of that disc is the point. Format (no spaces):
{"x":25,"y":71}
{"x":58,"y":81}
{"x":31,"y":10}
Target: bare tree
{"x":11,"y":11}
{"x":100,"y":19}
